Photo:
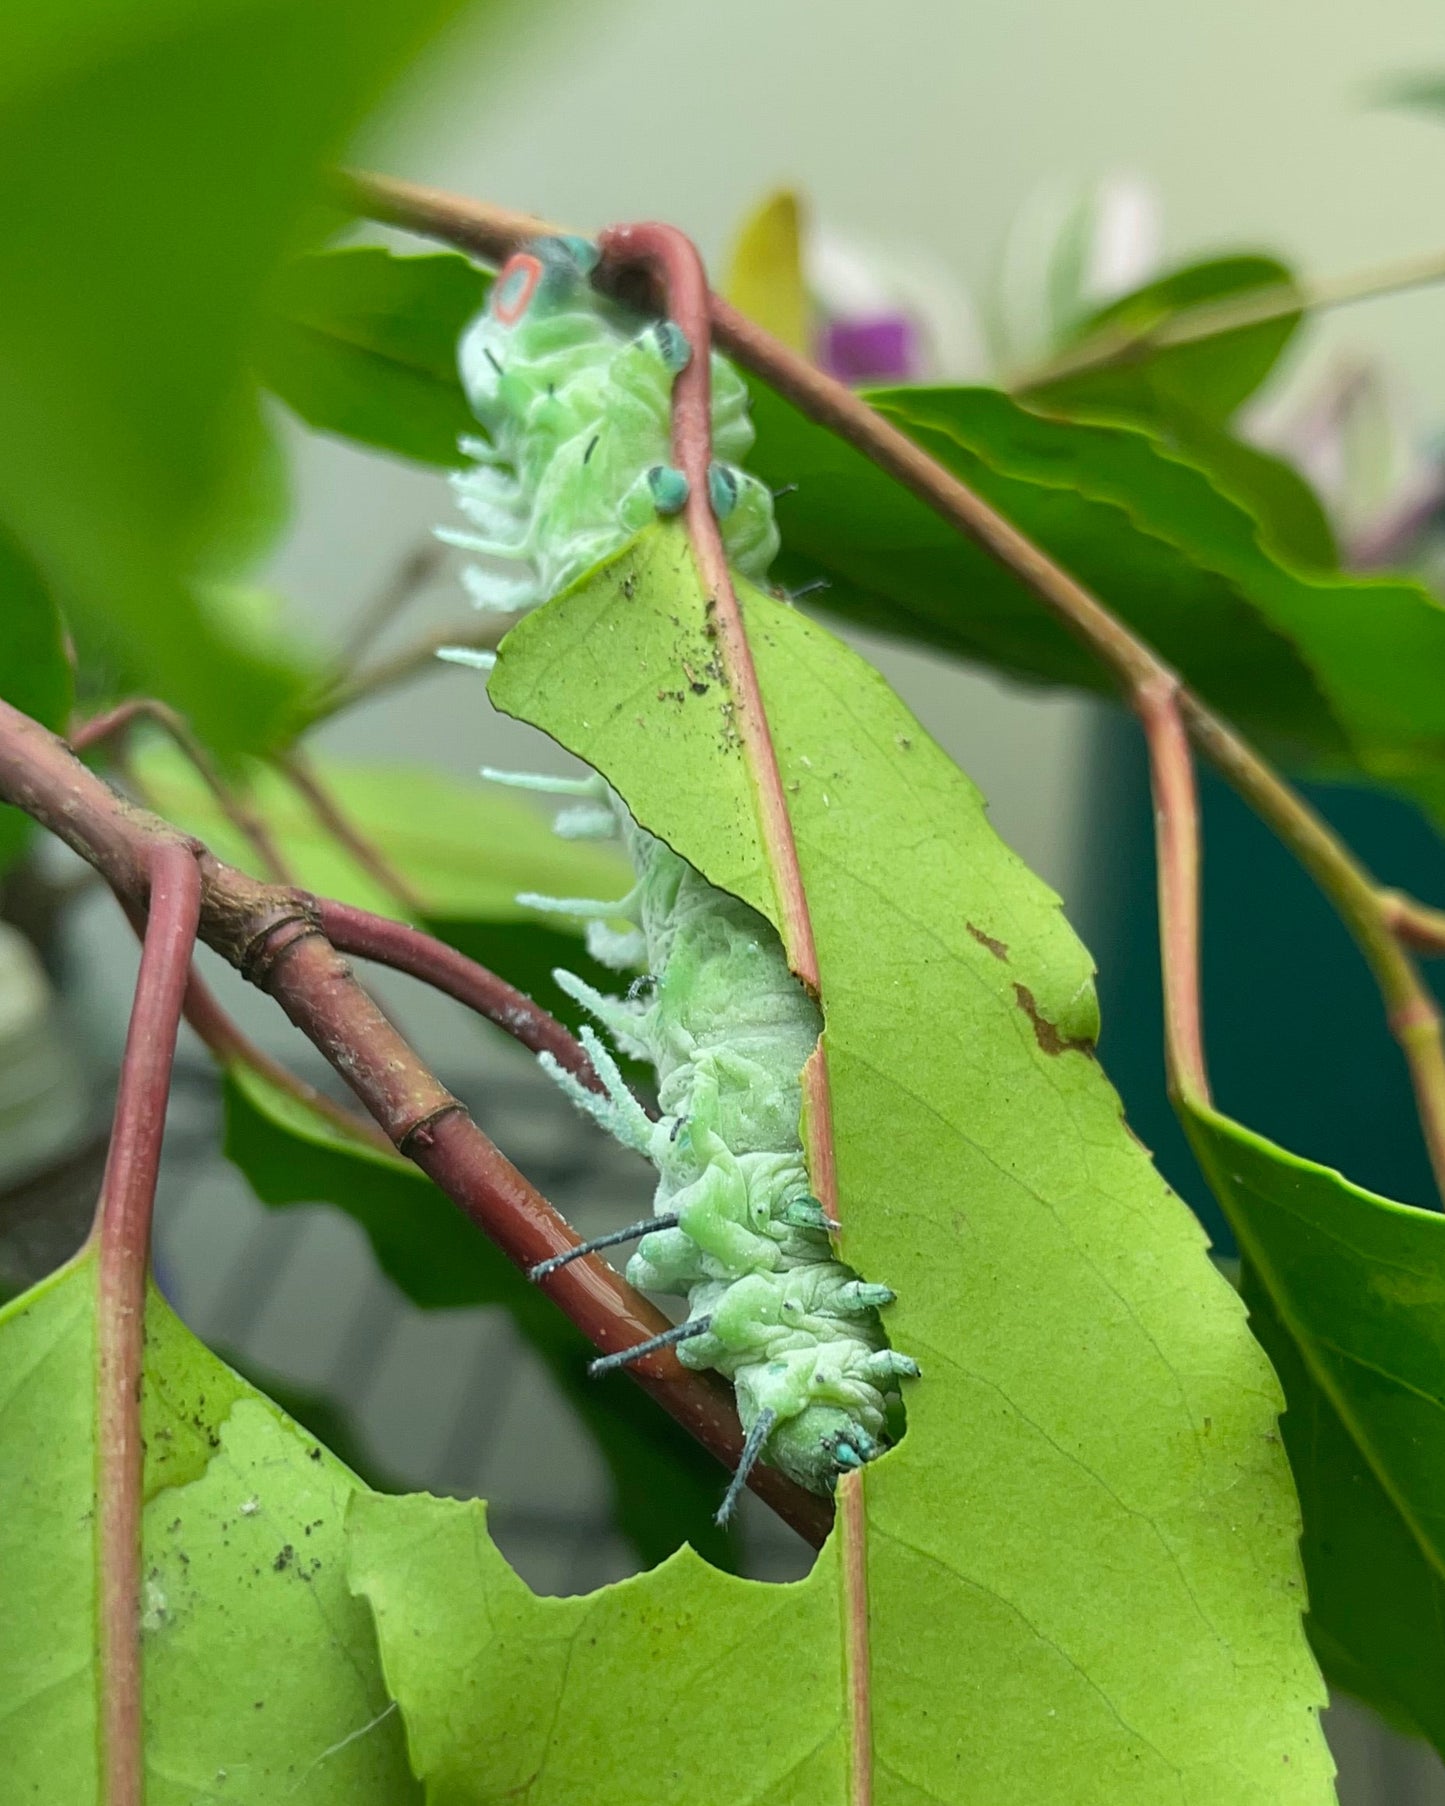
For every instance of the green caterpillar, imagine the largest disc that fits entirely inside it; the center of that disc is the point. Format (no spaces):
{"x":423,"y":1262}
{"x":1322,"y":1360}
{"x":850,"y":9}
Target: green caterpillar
{"x":575,"y":393}
{"x":725,"y":1025}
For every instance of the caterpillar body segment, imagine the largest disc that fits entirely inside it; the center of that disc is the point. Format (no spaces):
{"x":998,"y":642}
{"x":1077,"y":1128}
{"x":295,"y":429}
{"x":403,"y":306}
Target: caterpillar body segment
{"x":575,"y":392}
{"x":727,"y":1029}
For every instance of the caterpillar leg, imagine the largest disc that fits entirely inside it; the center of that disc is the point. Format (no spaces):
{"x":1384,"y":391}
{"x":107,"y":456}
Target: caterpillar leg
{"x":545,"y":784}
{"x":713,"y":1211}
{"x":618,"y":1111}
{"x":619,"y":1017}
{"x":512,"y":550}
{"x":498,"y":593}
{"x":761,"y":1429}
{"x":683,"y":1332}
{"x":633,"y":1232}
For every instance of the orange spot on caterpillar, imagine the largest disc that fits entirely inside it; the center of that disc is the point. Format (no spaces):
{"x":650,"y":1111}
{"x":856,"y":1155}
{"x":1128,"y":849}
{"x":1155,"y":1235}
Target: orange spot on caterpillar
{"x":515,"y":287}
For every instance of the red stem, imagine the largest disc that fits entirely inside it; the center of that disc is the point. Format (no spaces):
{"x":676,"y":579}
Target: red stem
{"x":673,"y":257}
{"x":407,"y":949}
{"x":1176,"y":832}
{"x":123,"y":1226}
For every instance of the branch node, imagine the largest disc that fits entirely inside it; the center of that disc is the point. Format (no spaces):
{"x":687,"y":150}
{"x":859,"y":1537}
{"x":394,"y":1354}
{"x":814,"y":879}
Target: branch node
{"x":419,"y":1134}
{"x":265,"y":949}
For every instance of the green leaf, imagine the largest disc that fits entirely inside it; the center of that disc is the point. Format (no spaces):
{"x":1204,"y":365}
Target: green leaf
{"x":1292,"y":521}
{"x":1344,"y":674}
{"x":261,"y":1674}
{"x":664,"y":1486}
{"x":1347,"y":1292}
{"x":318,"y":1414}
{"x":188,"y":138}
{"x":363,"y":343}
{"x":1210,"y":376}
{"x":1081,"y":1560}
{"x":35,"y":674}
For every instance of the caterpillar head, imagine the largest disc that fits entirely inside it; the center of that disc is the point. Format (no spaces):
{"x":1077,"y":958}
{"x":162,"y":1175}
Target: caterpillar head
{"x":541,"y":278}
{"x":536,"y":286}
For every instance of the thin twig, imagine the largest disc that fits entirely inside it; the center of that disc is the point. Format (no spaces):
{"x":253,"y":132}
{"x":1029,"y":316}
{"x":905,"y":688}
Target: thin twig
{"x":1176,"y":833}
{"x":301,"y":775}
{"x":115,"y":723}
{"x":1371,"y":913}
{"x":1367,"y":910}
{"x":418,"y":660}
{"x":412,"y":575}
{"x":122,"y":1234}
{"x":406,"y":949}
{"x":271,"y":935}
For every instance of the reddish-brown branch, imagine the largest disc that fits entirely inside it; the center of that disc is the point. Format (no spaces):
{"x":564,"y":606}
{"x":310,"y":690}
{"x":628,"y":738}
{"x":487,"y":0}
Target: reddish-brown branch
{"x":1176,"y":832}
{"x":272,"y":936}
{"x":115,"y":723}
{"x":229,"y":1046}
{"x":123,"y":1224}
{"x":298,"y":772}
{"x":672,"y":258}
{"x":407,"y":949}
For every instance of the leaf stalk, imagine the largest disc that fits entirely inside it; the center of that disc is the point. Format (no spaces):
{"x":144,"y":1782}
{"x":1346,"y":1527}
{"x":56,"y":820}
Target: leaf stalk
{"x":122,"y":1234}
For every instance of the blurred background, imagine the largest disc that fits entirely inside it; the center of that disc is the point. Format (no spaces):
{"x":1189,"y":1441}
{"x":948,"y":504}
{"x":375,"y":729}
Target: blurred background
{"x":958,"y":167}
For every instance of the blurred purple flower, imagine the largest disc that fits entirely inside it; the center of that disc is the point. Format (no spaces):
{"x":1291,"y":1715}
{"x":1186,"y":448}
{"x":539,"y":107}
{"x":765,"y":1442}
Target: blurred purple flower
{"x":877,"y":348}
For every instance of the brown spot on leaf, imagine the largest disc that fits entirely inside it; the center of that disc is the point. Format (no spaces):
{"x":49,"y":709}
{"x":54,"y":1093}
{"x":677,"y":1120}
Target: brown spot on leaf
{"x":1047,"y":1036}
{"x":999,"y":949}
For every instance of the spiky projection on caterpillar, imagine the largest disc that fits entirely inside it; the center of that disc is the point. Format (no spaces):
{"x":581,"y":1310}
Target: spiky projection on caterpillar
{"x":575,"y":391}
